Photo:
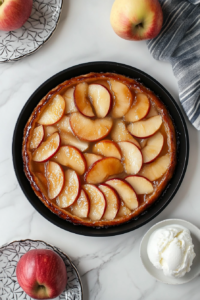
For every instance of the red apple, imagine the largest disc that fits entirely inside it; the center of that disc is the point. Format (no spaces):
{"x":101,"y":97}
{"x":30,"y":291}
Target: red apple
{"x":136,"y":19}
{"x":42,"y":274}
{"x":14,"y":13}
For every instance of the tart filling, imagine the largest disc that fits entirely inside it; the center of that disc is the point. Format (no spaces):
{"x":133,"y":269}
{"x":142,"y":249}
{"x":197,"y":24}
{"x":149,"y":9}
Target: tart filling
{"x":99,"y":149}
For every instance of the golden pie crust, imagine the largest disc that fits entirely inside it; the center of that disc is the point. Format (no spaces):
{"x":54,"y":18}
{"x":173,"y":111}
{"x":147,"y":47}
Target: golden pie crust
{"x":161,"y":184}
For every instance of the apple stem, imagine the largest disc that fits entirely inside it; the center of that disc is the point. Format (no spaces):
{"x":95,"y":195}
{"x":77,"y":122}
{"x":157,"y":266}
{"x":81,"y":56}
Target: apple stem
{"x":140,"y":25}
{"x":1,"y":2}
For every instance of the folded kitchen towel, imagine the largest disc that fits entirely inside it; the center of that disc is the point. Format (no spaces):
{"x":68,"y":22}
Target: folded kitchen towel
{"x":179,"y":43}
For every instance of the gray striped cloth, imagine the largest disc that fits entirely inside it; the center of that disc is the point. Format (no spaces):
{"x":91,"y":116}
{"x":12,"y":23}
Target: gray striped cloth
{"x":179,"y":43}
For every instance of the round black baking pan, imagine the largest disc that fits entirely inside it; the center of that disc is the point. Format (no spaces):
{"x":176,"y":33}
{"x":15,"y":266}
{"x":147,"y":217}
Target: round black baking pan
{"x":182,"y":146}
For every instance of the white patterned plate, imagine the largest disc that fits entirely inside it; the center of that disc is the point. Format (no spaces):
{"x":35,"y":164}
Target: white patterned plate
{"x":38,"y":29}
{"x":9,"y":257}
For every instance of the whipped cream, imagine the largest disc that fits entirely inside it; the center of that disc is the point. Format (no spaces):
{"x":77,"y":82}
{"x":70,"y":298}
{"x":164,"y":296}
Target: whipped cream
{"x":171,"y":250}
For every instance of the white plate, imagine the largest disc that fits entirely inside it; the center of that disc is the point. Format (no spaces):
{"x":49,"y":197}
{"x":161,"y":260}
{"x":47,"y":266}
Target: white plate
{"x":9,"y":257}
{"x":158,"y":274}
{"x":38,"y":29}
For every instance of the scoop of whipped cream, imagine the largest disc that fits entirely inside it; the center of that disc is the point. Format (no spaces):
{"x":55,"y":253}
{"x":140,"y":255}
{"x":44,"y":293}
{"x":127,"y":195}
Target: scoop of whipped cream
{"x":171,"y":250}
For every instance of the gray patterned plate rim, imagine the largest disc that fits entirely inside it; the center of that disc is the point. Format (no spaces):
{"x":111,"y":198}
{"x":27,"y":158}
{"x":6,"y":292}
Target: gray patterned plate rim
{"x":15,"y":45}
{"x":57,"y":250}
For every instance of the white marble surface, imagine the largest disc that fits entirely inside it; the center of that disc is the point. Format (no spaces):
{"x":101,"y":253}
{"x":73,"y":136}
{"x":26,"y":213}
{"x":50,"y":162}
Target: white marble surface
{"x":110,"y":267}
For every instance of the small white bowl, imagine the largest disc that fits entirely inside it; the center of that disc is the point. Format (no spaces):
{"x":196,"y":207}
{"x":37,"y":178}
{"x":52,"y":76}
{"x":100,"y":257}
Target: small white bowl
{"x":158,"y":274}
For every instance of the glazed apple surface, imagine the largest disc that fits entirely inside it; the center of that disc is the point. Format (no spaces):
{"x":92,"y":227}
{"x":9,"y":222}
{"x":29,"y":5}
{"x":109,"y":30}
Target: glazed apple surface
{"x":42,"y":274}
{"x":100,"y":150}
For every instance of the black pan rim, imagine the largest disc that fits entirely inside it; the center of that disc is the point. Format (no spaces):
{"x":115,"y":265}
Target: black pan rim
{"x":115,"y":230}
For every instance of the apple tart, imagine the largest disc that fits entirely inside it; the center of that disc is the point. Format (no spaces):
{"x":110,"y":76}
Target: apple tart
{"x":99,"y":149}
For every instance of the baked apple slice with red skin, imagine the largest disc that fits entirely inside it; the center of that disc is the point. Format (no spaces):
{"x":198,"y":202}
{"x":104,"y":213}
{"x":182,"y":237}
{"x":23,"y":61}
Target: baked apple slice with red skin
{"x":123,"y":210}
{"x":152,"y":112}
{"x":101,"y":99}
{"x":49,"y":130}
{"x":103,"y":169}
{"x":125,"y":191}
{"x":71,"y":189}
{"x":37,"y":137}
{"x":157,"y":168}
{"x":119,"y":133}
{"x":131,"y":157}
{"x":140,"y":184}
{"x":47,"y":149}
{"x":90,"y":130}
{"x":42,"y":182}
{"x":68,"y":139}
{"x":67,"y":136}
{"x":69,"y":101}
{"x":145,"y":128}
{"x":64,"y":124}
{"x":153,"y":148}
{"x":139,"y":109}
{"x":123,"y":99}
{"x":97,"y":202}
{"x":71,"y":157}
{"x":41,"y":178}
{"x":53,"y":112}
{"x":55,"y":179}
{"x":81,"y":206}
{"x":81,"y":100}
{"x":91,"y":158}
{"x":107,"y":148}
{"x":112,"y":200}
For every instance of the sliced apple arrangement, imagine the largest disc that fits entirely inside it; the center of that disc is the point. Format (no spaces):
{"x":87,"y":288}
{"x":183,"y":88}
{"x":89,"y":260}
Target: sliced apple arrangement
{"x":101,"y":99}
{"x":37,"y":138}
{"x":101,"y":148}
{"x":90,"y":130}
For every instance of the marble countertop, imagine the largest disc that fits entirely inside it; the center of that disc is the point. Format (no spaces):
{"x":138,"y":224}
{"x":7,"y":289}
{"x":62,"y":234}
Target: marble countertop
{"x":110,"y":268}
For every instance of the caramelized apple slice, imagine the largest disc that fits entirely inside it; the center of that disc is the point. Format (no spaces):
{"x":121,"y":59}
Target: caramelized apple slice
{"x":101,"y":99}
{"x":81,"y":206}
{"x":55,"y":179}
{"x":156,"y":169}
{"x":145,"y":128}
{"x":71,"y":157}
{"x":125,"y":191}
{"x":81,"y":101}
{"x":47,"y":149}
{"x":71,"y":189}
{"x":153,"y":112}
{"x":139,"y":109}
{"x":132,"y":157}
{"x":64,"y":125}
{"x":69,"y":101}
{"x":91,"y":158}
{"x":123,"y":210}
{"x":71,"y":140}
{"x":143,"y":143}
{"x":153,"y":147}
{"x":112,"y":200}
{"x":103,"y":169}
{"x":119,"y":133}
{"x":122,"y":99}
{"x":107,"y":148}
{"x":90,"y":130}
{"x":97,"y":202}
{"x":42,"y":182}
{"x":49,"y":130}
{"x":53,"y":112}
{"x":140,"y":184}
{"x":37,"y":137}
{"x":67,"y":136}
